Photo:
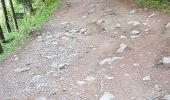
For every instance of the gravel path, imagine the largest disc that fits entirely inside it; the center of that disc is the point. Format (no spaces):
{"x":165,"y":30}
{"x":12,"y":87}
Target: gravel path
{"x":93,"y":50}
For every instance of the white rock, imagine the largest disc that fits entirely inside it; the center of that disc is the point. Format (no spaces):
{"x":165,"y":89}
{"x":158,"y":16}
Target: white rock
{"x":145,"y":24}
{"x":147,"y":78}
{"x":166,"y":60}
{"x":134,"y":23}
{"x":166,"y":97}
{"x":135,"y":32}
{"x":99,"y":22}
{"x":64,"y":23}
{"x":134,"y":37}
{"x":83,"y":31}
{"x":41,"y":98}
{"x":133,"y":11}
{"x":91,"y":11}
{"x":22,"y":69}
{"x":167,"y":25}
{"x":151,"y":15}
{"x":83,"y":17}
{"x":110,"y":60}
{"x":107,"y":96}
{"x":63,"y":66}
{"x":74,"y":31}
{"x":65,"y":38}
{"x":81,"y":82}
{"x":122,"y":48}
{"x":90,"y":78}
{"x":109,"y":78}
{"x":118,"y":25}
{"x":123,"y":37}
{"x":157,"y":88}
{"x":136,"y":64}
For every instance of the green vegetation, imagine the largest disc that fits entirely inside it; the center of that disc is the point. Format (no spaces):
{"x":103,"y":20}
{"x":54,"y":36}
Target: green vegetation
{"x":42,"y":13}
{"x":158,"y":4}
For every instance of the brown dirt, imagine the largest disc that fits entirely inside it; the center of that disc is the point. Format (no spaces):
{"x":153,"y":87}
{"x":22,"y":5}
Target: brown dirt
{"x":84,"y":52}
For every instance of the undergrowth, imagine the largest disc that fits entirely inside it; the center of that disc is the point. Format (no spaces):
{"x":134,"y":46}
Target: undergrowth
{"x":17,"y":40}
{"x":157,"y":4}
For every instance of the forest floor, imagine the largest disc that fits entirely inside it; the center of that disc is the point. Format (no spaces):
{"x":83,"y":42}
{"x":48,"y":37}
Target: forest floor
{"x":93,"y":50}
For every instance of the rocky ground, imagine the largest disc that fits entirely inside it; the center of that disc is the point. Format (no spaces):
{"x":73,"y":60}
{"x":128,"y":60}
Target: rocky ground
{"x":93,"y":50}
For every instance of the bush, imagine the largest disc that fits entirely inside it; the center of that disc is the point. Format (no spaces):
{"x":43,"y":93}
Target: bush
{"x":158,"y":4}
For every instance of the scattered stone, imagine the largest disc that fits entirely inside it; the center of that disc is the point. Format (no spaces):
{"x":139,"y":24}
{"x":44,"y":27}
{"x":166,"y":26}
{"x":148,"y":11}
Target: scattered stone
{"x":146,"y":30}
{"x":83,"y":31}
{"x":157,"y":88}
{"x":165,"y":60}
{"x":83,"y":17}
{"x":92,"y":5}
{"x":166,"y":97}
{"x":151,"y":15}
{"x":107,"y":96}
{"x":39,"y":37}
{"x":109,"y":78}
{"x":22,"y":69}
{"x":133,"y":11}
{"x":167,"y":25}
{"x":54,"y":42}
{"x":65,"y":38}
{"x":64,"y":89}
{"x":91,"y":11}
{"x":66,"y":24}
{"x":134,"y":23}
{"x":134,"y":37}
{"x":37,"y":78}
{"x":122,"y":48}
{"x":109,"y":12}
{"x":135,"y":32}
{"x":118,"y":25}
{"x":132,"y":98}
{"x":16,"y":57}
{"x":146,"y":24}
{"x":81,"y":82}
{"x":73,"y":31}
{"x":136,"y":64}
{"x":147,"y":78}
{"x":63,"y":66}
{"x":90,"y":78}
{"x":41,"y":98}
{"x":123,"y":37}
{"x":99,"y":22}
{"x":110,"y":60}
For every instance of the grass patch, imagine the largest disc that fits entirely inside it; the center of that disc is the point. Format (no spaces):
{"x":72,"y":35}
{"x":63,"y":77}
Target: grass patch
{"x":17,"y":39}
{"x":156,"y":4}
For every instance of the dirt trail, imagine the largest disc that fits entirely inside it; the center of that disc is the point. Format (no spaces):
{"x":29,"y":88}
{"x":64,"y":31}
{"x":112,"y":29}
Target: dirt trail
{"x":92,"y":50}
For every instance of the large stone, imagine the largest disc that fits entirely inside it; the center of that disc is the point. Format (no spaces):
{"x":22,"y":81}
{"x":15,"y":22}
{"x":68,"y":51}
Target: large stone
{"x":122,"y":48}
{"x":166,"y":60}
{"x":134,"y":23}
{"x":22,"y":69}
{"x":166,"y":97}
{"x":110,"y":60}
{"x":147,"y":78}
{"x":135,"y":32}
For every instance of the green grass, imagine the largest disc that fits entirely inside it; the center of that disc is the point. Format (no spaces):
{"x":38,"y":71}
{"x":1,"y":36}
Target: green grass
{"x":157,"y":4}
{"x":18,"y":39}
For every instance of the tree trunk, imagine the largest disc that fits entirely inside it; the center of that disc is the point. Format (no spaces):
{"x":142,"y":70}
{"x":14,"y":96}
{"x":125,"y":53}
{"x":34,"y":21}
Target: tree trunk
{"x":1,"y":49}
{"x":5,"y":16}
{"x":13,"y":15}
{"x":1,"y":34}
